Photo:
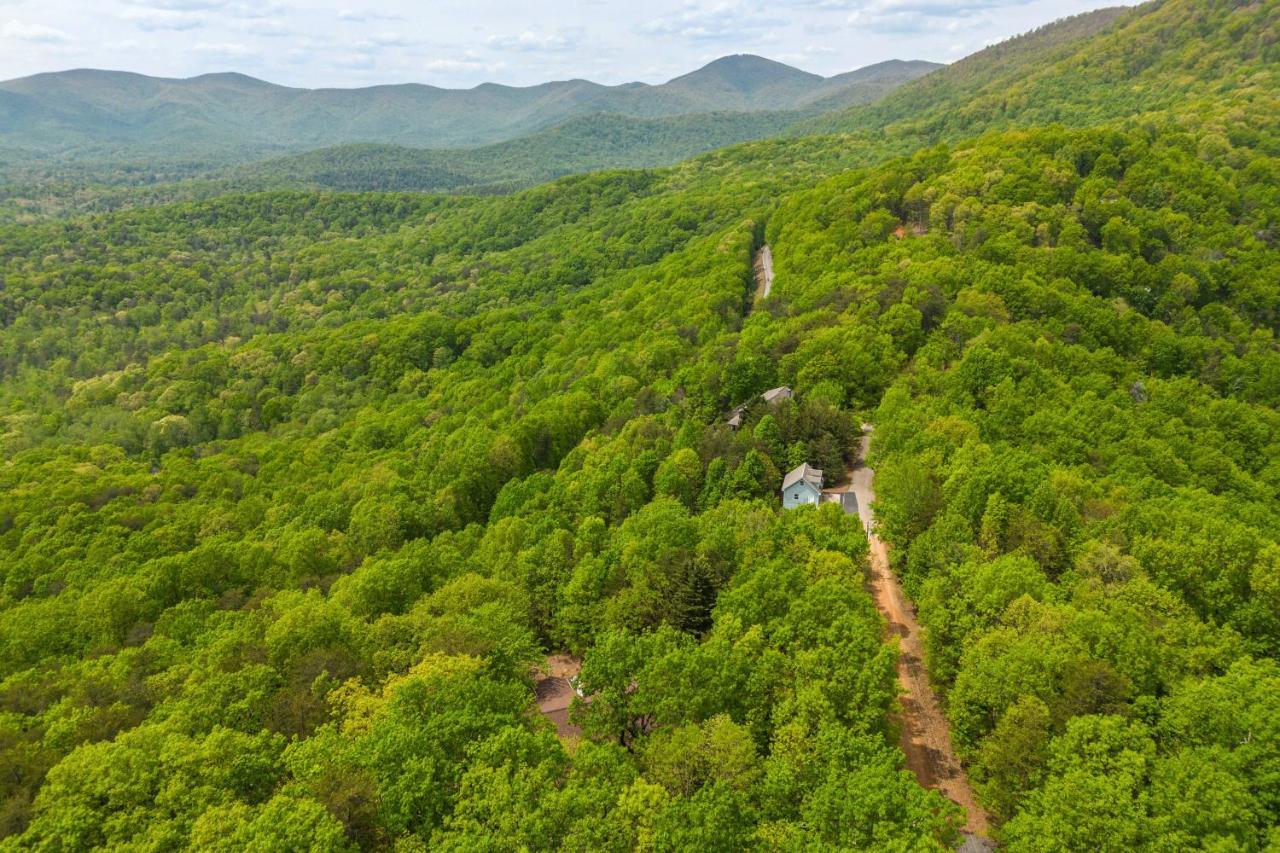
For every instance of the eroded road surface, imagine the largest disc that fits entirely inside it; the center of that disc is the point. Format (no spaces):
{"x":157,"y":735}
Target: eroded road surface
{"x":926,"y":736}
{"x":764,"y":273}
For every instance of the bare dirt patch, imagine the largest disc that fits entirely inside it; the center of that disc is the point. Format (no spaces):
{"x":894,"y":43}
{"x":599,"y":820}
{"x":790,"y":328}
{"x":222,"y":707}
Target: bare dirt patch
{"x":555,"y":692}
{"x":764,"y":273}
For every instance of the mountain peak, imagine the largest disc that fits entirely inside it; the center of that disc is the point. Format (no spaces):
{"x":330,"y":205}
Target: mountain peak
{"x":744,"y":72}
{"x":232,"y":78}
{"x":746,"y":61}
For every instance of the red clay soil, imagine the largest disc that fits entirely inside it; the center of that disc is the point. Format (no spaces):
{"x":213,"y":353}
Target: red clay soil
{"x":555,"y":692}
{"x":925,"y":734}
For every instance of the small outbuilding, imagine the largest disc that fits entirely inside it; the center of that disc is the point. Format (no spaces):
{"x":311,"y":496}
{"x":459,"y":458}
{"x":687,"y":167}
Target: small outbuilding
{"x":848,"y":501}
{"x":802,"y":486}
{"x":774,"y":395}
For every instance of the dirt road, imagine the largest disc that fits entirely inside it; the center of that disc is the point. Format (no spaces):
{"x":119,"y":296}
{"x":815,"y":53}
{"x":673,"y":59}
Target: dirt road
{"x":926,"y":736}
{"x":764,"y":272}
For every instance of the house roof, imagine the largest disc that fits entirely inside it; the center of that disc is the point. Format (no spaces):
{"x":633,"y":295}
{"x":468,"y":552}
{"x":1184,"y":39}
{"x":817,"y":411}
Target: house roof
{"x":782,"y":392}
{"x":848,"y":501}
{"x":812,"y":476}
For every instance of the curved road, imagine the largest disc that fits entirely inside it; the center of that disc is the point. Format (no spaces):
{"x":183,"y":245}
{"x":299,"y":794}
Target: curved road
{"x":926,"y":735}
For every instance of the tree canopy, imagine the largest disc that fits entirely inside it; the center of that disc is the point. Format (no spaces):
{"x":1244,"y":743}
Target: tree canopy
{"x":299,"y":488}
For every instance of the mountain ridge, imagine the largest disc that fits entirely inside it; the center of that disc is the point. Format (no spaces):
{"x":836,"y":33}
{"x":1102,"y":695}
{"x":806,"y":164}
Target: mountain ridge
{"x":1052,"y":73}
{"x":731,"y":60}
{"x":71,"y":113}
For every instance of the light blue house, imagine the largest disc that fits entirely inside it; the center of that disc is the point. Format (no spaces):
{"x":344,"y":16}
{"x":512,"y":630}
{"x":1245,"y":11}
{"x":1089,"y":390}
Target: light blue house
{"x":802,"y":486}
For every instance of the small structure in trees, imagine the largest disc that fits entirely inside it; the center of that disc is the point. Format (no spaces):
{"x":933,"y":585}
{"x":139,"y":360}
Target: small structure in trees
{"x":848,"y":501}
{"x":773,"y":395}
{"x":555,"y":686}
{"x":802,"y":486}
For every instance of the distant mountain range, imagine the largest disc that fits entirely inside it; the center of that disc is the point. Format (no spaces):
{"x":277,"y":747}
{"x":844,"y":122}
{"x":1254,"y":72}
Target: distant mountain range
{"x":231,"y":118}
{"x":583,"y":144}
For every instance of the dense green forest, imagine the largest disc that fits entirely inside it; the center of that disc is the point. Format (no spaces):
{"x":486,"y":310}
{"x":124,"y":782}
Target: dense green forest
{"x":89,"y":141}
{"x":1109,"y":64}
{"x":580,"y":145}
{"x":85,"y":113}
{"x":1077,"y":470}
{"x":300,"y":486}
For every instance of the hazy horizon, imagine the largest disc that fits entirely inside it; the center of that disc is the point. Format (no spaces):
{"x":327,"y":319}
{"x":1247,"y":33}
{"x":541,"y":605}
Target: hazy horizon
{"x":337,"y":44}
{"x":264,"y":80}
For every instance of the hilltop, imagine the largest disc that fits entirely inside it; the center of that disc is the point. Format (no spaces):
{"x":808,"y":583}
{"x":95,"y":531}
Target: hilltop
{"x":1107,"y":64}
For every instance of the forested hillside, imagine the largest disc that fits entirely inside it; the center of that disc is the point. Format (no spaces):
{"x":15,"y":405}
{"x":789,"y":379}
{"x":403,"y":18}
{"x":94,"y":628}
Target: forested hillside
{"x":1077,"y":469}
{"x":88,"y":114}
{"x":580,"y":145}
{"x":405,"y":444}
{"x":300,"y":487}
{"x":732,"y":100}
{"x":1109,"y":64}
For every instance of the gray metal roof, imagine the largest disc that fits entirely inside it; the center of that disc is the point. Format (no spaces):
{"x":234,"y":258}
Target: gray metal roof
{"x":782,"y":392}
{"x":812,"y":476}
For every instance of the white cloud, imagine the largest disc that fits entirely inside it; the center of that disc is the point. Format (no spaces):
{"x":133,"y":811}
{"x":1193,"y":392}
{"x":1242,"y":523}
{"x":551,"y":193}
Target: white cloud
{"x":355,"y":61}
{"x":268,"y":27}
{"x":255,"y":10}
{"x":917,"y":16}
{"x":802,"y":56}
{"x":536,"y":42}
{"x":466,"y":62}
{"x":224,"y":50}
{"x":180,"y":5}
{"x":452,"y":65}
{"x":723,"y":22}
{"x":160,"y":20}
{"x":362,"y":15}
{"x":932,"y":8}
{"x":38,"y":33}
{"x":178,"y":9}
{"x":385,"y":39}
{"x":462,"y":43}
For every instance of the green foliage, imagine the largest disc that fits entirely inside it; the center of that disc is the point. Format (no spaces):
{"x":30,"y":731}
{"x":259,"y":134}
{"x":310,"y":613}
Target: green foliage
{"x":326,"y":493}
{"x":300,"y":487}
{"x":1075,"y":470}
{"x":239,"y":134}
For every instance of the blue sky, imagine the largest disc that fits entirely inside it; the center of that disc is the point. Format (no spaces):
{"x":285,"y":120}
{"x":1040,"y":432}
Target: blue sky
{"x":461,"y":43}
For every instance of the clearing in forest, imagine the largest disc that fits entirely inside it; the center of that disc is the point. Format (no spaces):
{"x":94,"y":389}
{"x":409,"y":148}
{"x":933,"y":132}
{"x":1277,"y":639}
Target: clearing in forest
{"x":554,"y":689}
